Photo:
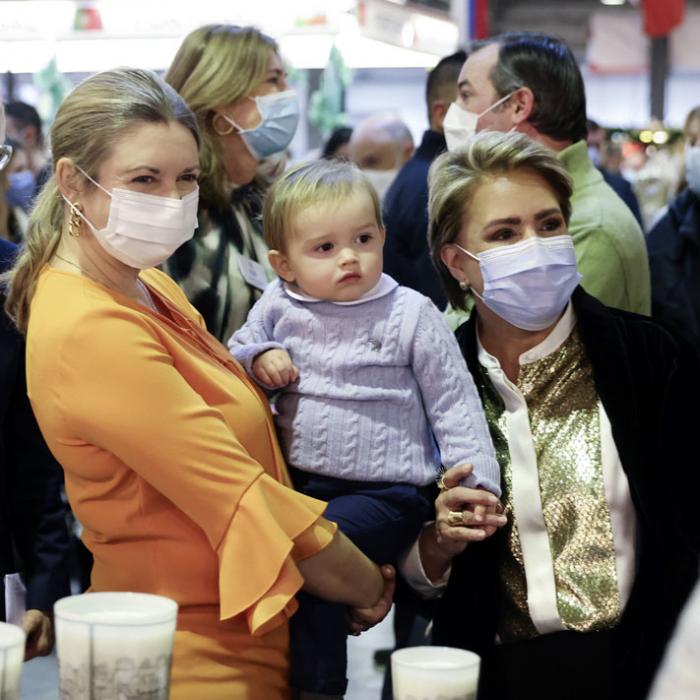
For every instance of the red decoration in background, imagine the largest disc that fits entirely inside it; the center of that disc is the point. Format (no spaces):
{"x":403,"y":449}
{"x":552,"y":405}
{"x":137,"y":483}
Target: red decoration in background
{"x":87,"y":19}
{"x":482,"y":19}
{"x":478,"y":19}
{"x":662,"y":16}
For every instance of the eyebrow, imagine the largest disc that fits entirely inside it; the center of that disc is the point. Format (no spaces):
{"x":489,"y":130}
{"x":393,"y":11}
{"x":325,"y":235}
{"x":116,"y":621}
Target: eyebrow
{"x":463,"y":83}
{"x":156,"y":171}
{"x":371,"y":224}
{"x":317,"y":239}
{"x":515,"y":220}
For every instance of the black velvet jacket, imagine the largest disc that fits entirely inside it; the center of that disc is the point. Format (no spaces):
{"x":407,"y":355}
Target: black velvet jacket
{"x":650,"y":387}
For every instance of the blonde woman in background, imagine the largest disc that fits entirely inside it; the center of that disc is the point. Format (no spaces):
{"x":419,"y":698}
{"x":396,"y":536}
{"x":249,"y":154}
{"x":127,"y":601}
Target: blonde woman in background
{"x":234,"y":81}
{"x":170,"y":455}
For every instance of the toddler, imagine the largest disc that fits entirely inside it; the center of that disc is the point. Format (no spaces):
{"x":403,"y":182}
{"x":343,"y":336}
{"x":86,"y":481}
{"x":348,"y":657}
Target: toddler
{"x":369,"y":378}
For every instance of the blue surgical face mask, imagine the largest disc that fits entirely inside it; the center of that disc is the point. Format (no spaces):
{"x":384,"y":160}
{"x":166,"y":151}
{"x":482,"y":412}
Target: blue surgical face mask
{"x":528,"y":283}
{"x":20,"y":189}
{"x":279,"y":116}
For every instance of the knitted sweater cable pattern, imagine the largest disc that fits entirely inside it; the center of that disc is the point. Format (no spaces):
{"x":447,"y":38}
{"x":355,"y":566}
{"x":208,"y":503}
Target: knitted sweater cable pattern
{"x":377,"y":382}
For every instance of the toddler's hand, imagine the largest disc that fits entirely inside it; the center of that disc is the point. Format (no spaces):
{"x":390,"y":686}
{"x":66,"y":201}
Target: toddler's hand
{"x":275,"y":368}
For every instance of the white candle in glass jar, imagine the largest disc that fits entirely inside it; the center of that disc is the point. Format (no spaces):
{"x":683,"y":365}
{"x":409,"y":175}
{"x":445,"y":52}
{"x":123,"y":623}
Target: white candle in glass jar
{"x":434,"y":673}
{"x":12,"y":641}
{"x":115,"y":645}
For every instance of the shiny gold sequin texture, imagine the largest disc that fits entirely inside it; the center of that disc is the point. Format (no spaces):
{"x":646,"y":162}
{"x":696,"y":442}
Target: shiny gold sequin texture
{"x":564,"y":421}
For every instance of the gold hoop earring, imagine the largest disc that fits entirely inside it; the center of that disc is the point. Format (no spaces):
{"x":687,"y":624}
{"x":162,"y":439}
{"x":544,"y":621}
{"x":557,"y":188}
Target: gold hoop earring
{"x":74,"y":222}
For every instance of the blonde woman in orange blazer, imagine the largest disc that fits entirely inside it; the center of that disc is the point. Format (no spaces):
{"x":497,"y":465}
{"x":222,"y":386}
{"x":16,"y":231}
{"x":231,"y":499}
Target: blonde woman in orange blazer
{"x":170,"y":456}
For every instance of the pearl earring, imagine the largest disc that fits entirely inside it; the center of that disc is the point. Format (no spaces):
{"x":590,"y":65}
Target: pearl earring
{"x":464,"y":285}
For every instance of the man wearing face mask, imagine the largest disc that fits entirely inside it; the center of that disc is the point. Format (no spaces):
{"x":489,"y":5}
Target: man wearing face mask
{"x":406,"y":255}
{"x":674,"y":249}
{"x":380,"y":145}
{"x":531,"y":83}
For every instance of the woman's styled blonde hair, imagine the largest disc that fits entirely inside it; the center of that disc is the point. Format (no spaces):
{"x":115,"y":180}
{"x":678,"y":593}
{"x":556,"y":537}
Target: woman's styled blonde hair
{"x":455,"y":176}
{"x":324,"y":182}
{"x":216,"y":65}
{"x":96,"y":115}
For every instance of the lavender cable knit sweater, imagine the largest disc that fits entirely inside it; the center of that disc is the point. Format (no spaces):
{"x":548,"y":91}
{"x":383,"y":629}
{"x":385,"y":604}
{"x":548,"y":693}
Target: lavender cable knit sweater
{"x":374,"y":378}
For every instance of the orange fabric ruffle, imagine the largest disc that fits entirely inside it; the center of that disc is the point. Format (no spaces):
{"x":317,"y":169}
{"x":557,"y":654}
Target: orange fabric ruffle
{"x":272,"y":529}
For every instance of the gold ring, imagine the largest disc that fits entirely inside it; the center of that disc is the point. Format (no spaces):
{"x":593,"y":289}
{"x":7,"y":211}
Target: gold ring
{"x":441,"y":483}
{"x":455,"y":518}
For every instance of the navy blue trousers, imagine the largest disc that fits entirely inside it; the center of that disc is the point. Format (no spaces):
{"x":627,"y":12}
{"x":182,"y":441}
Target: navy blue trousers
{"x":382,"y":519}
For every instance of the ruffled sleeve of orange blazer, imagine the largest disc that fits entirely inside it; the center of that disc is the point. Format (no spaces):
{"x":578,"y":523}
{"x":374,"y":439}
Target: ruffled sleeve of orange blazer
{"x":107,"y":375}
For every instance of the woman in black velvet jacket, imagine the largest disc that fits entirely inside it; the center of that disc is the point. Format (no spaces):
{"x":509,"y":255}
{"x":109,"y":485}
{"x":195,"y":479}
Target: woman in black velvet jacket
{"x":593,"y":414}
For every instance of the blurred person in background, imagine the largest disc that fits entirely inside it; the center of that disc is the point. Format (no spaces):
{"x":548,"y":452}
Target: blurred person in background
{"x":33,"y":536}
{"x":17,"y":186}
{"x":531,"y":83}
{"x":380,"y":145}
{"x":336,"y":146}
{"x":406,"y":255}
{"x":234,"y":81}
{"x":603,"y":155}
{"x":674,"y":249}
{"x":24,"y":125}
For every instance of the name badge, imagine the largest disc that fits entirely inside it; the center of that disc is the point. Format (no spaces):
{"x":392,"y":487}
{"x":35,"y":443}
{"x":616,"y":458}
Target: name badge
{"x":253,"y":272}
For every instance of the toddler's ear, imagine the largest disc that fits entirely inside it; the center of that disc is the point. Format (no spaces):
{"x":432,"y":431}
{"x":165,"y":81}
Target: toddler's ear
{"x":280,"y":264}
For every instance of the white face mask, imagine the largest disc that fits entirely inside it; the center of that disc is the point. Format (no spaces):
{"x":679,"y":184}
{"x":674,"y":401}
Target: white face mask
{"x":144,"y":230}
{"x":460,"y":124}
{"x":529,"y":283}
{"x":692,"y":168}
{"x":381,"y":180}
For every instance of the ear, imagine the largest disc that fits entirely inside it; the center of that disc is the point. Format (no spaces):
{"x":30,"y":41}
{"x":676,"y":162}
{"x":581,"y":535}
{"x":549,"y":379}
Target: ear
{"x":70,"y":180}
{"x":220,"y":125}
{"x":438,"y":110}
{"x":522,"y":105}
{"x":281,"y":265}
{"x":382,"y":233}
{"x":452,"y":258}
{"x":406,"y":152}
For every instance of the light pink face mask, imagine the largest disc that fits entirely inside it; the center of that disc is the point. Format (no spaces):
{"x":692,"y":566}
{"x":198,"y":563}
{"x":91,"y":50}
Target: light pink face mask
{"x":144,"y":230}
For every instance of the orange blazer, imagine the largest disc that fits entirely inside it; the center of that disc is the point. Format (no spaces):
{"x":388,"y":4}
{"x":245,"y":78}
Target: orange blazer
{"x":171,"y":460}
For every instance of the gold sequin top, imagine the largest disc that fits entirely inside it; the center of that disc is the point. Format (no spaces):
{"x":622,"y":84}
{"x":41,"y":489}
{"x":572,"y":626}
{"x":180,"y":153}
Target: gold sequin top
{"x":562,"y":405}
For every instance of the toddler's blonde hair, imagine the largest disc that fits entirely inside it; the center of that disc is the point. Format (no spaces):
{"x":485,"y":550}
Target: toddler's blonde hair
{"x":324,"y":182}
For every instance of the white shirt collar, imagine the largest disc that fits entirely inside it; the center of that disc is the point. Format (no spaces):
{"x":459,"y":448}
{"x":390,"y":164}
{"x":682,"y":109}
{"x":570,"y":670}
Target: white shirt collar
{"x":385,"y":285}
{"x":552,"y":342}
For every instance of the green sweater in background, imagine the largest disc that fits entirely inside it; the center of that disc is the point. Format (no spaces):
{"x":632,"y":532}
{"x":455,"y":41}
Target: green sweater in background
{"x":611,"y":253}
